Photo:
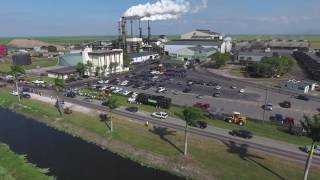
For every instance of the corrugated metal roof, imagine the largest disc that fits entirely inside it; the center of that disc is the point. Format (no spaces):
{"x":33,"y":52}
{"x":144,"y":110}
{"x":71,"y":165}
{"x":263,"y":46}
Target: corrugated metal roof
{"x":195,"y":42}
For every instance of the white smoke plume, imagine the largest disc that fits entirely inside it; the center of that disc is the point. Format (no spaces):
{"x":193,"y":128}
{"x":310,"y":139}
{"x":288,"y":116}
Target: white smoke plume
{"x":163,"y":10}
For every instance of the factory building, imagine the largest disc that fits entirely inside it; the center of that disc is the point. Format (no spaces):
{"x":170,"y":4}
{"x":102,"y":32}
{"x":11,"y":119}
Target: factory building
{"x":250,"y":57}
{"x":143,"y":56}
{"x":71,"y":59}
{"x":102,"y":58}
{"x":198,"y":53}
{"x":21,"y":59}
{"x":63,"y":73}
{"x":200,"y":34}
{"x":172,"y":48}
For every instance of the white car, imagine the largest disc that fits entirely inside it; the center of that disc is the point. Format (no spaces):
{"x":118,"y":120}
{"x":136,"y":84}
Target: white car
{"x":38,"y":82}
{"x":125,"y":93}
{"x":160,"y":115}
{"x":132,"y":100}
{"x":268,"y":107}
{"x":242,"y":91}
{"x":106,"y":81}
{"x":9,"y":77}
{"x":100,"y":82}
{"x":124,"y":83}
{"x":161,"y":90}
{"x":15,"y":93}
{"x":316,"y":150}
{"x":218,"y":87}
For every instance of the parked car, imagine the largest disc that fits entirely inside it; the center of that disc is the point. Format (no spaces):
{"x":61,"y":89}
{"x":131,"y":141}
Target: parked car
{"x":242,"y":91}
{"x":302,"y":97}
{"x":161,"y":90}
{"x":285,"y":104}
{"x":218,"y":87}
{"x":160,"y":115}
{"x":187,"y":90}
{"x":233,"y":86}
{"x":87,"y":99}
{"x":132,"y":109}
{"x":199,"y":96}
{"x":26,"y":95}
{"x":217,"y":94}
{"x":241,"y":133}
{"x":15,"y":93}
{"x":316,"y":150}
{"x":205,"y":106}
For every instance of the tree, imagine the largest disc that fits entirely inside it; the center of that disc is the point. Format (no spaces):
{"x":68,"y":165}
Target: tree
{"x":126,"y":60}
{"x":190,"y":115}
{"x":88,"y":67}
{"x":221,"y":59}
{"x":16,"y":71}
{"x":59,"y":87}
{"x":81,"y":68}
{"x":113,"y":67}
{"x":97,"y":73}
{"x":312,"y":126}
{"x":52,"y":48}
{"x":112,"y":103}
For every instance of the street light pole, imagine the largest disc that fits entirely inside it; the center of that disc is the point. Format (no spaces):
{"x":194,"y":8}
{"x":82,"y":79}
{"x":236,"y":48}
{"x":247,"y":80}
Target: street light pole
{"x":264,"y":106}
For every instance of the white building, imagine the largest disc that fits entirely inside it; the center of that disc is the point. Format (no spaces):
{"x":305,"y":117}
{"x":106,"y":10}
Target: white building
{"x":201,"y":34}
{"x":143,"y":56}
{"x":100,"y":58}
{"x":172,"y":48}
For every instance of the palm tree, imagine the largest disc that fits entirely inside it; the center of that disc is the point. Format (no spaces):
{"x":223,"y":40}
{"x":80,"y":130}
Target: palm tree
{"x":81,"y":68}
{"x":89,"y":66}
{"x":98,"y":72}
{"x":312,"y":126}
{"x":113,"y":67}
{"x":190,"y":115}
{"x":59,"y":87}
{"x":16,"y":71}
{"x":112,"y":103}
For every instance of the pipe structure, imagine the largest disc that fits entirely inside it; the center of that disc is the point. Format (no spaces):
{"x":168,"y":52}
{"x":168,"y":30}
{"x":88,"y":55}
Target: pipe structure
{"x":131,"y":24}
{"x":140,"y":29}
{"x":124,"y":34}
{"x":149,"y":32}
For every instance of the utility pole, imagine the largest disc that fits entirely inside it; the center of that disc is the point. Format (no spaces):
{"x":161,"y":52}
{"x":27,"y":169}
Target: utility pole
{"x":264,"y":106}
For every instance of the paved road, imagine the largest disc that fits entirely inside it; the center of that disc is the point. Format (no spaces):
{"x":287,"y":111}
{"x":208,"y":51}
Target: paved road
{"x":281,"y":149}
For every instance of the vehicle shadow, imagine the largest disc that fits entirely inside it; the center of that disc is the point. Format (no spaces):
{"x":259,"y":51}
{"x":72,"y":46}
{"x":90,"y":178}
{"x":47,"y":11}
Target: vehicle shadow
{"x":162,"y":132}
{"x":242,"y":151}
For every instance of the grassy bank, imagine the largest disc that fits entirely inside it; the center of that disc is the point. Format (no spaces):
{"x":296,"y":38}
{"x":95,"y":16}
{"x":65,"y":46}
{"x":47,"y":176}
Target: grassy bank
{"x":161,"y":148}
{"x":13,"y":166}
{"x":36,"y":62}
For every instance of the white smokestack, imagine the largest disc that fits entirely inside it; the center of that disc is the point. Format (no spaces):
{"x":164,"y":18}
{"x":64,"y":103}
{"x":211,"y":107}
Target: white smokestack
{"x":162,"y":10}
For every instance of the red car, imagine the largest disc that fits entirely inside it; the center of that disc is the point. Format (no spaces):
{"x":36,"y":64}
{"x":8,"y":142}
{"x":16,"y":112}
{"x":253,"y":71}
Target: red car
{"x":198,"y":105}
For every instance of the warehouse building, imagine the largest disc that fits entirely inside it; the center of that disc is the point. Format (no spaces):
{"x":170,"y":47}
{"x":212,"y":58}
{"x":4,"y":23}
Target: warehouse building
{"x":200,"y":34}
{"x":250,"y":57}
{"x":102,"y":58}
{"x":173,"y":47}
{"x":143,"y":56}
{"x":21,"y":59}
{"x":70,"y":59}
{"x":63,"y":73}
{"x":301,"y":87}
{"x":198,"y":53}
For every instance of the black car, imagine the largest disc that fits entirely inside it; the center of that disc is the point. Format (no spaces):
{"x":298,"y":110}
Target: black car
{"x":187,"y":90}
{"x":217,"y":94}
{"x":285,"y":104}
{"x":70,"y":94}
{"x":201,"y":124}
{"x":302,"y":97}
{"x":241,"y":133}
{"x":132,"y":109}
{"x":25,"y":95}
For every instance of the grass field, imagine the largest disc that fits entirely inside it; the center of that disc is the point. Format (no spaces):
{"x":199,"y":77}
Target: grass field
{"x":13,"y":166}
{"x":36,"y":61}
{"x":212,"y":159}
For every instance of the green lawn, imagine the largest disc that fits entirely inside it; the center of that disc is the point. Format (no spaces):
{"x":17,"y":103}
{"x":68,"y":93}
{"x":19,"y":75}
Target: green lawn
{"x":217,"y":160}
{"x":36,"y":62}
{"x":239,"y":72}
{"x":16,"y":167}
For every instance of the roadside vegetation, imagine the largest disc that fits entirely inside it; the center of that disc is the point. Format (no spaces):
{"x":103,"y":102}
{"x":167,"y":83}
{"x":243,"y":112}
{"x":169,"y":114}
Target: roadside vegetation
{"x":15,"y":167}
{"x":162,"y":148}
{"x":272,"y":67}
{"x":259,"y":128}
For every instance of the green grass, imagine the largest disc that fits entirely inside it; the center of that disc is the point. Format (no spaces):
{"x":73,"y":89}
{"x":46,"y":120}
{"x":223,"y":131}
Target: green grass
{"x":15,"y":167}
{"x":218,"y":160}
{"x":36,"y":62}
{"x":237,"y":72}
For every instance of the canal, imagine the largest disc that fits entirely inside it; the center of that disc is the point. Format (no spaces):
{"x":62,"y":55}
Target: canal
{"x":67,"y":157}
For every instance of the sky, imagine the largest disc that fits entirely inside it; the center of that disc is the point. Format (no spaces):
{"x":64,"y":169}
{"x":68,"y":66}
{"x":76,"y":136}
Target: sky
{"x":100,"y":17}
